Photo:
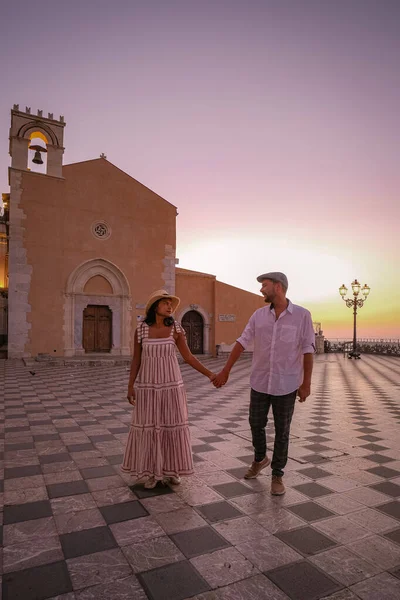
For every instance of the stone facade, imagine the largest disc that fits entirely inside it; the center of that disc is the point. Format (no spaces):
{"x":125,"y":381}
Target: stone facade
{"x":20,"y":273}
{"x":71,"y":225}
{"x":4,"y":275}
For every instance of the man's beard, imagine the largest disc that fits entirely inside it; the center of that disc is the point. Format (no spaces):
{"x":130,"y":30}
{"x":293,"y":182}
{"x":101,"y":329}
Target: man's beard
{"x":268,"y":298}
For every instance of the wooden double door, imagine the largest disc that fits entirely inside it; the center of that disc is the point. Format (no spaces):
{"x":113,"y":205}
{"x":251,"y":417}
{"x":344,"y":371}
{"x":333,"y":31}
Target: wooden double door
{"x":97,"y":328}
{"x":193,"y":325}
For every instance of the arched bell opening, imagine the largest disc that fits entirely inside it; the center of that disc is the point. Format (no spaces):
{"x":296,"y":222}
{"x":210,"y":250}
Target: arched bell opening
{"x":37,"y":152}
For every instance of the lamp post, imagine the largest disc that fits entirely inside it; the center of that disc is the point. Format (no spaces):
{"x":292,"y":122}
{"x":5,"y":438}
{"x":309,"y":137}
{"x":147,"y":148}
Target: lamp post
{"x":355,"y":303}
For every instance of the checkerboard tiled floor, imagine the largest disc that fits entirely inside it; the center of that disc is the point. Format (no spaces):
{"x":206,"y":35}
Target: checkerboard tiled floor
{"x":74,"y":529}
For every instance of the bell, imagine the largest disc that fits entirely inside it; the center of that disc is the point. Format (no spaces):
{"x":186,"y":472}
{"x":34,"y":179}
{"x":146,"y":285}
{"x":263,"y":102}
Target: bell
{"x":37,"y":159}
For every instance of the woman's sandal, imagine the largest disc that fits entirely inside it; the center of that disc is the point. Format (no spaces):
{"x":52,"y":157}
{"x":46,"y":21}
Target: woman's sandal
{"x":175,"y":480}
{"x":150,"y":483}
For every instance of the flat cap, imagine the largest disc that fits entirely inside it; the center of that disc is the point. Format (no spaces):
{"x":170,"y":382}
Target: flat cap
{"x":275,"y":276}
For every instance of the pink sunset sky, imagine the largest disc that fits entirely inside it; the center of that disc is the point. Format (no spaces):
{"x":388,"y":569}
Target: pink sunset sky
{"x":272,"y":126}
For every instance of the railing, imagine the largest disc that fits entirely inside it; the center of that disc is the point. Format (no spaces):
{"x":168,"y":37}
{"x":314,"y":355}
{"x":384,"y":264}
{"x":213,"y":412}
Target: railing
{"x":390,"y":347}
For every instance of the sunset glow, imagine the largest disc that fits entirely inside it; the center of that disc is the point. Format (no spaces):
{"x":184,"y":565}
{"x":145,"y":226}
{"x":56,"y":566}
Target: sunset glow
{"x":272,"y":126}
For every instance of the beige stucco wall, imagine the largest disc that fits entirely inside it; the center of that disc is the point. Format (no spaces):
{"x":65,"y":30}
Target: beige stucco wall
{"x":231,"y":300}
{"x":98,"y":285}
{"x":202,"y":292}
{"x":57,"y":237}
{"x":196,"y":291}
{"x":3,"y":253}
{"x":194,"y":287}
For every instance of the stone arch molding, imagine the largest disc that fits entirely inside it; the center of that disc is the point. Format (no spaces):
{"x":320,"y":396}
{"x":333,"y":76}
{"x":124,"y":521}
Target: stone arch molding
{"x":119,"y":302}
{"x":206,"y":322}
{"x":26,"y":129}
{"x":99,"y":266}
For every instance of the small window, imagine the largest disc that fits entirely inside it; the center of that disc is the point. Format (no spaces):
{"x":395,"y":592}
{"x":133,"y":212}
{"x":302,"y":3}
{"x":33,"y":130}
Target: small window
{"x":101,"y":230}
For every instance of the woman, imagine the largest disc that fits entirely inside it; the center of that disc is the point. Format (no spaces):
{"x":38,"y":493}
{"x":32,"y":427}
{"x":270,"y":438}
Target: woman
{"x":159,"y":440}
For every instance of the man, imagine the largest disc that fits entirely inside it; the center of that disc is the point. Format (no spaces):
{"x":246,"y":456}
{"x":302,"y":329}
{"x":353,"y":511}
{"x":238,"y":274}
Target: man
{"x":284,"y":344}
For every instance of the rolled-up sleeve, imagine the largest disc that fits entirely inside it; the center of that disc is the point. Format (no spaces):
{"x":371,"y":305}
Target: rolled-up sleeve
{"x":308,"y":335}
{"x":247,"y":336}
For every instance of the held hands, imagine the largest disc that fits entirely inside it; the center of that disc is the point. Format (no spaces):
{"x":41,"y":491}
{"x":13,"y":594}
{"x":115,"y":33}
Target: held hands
{"x":217,"y":380}
{"x":220,"y":379}
{"x":212,"y":377}
{"x":303,"y":392}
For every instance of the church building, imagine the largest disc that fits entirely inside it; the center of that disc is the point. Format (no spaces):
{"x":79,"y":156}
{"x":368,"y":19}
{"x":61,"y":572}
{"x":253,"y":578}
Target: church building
{"x":83,"y":245}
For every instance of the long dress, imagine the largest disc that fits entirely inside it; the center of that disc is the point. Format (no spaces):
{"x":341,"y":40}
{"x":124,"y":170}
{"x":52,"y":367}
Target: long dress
{"x":159,"y":439}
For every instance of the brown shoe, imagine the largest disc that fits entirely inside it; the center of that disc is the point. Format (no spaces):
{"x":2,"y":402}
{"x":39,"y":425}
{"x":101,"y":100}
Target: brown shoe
{"x":256,"y":468}
{"x":277,"y":487}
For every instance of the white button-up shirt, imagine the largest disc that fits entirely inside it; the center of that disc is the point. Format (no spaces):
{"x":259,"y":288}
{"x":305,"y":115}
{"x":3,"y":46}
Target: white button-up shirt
{"x":279,"y":345}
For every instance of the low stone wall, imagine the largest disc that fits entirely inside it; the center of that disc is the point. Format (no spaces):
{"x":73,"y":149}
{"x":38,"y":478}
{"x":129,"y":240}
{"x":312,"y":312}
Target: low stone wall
{"x":223,"y":349}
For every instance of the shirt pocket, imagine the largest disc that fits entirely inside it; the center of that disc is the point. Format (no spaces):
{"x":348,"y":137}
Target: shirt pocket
{"x":288,"y":334}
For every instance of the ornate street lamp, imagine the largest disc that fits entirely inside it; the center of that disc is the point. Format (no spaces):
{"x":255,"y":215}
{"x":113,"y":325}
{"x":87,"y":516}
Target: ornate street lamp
{"x":355,"y":303}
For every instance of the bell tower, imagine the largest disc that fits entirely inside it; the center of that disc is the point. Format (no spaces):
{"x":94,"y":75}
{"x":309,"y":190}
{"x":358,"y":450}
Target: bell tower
{"x":36,"y":142}
{"x":36,"y":149}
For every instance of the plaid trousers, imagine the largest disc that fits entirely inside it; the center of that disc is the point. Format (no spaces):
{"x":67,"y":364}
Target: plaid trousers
{"x":282,"y":408}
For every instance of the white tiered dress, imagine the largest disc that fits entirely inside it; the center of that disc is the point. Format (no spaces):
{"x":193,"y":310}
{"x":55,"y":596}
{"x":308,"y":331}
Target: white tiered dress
{"x":159,"y":439}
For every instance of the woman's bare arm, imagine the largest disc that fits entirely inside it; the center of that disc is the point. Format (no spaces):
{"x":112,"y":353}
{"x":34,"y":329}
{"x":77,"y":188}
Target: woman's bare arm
{"x":189,"y":358}
{"x":135,"y":366}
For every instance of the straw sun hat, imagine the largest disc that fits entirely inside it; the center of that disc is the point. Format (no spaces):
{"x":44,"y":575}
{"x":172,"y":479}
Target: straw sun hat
{"x":158,"y":295}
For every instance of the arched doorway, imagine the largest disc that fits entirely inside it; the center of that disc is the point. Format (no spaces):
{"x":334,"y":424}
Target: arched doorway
{"x":193,"y":325}
{"x":97,"y":328}
{"x":97,"y":283}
